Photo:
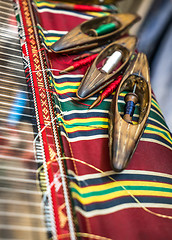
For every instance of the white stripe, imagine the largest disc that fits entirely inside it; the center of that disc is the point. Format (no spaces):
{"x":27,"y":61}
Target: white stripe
{"x":14,"y":62}
{"x":7,"y":35}
{"x":84,"y":138}
{"x":121,"y":207}
{"x":6,"y":13}
{"x":84,"y":111}
{"x":22,"y":228}
{"x":77,"y":99}
{"x":154,"y":120}
{"x":54,"y":32}
{"x":16,"y":50}
{"x":60,"y":12}
{"x":12,"y":20}
{"x":7,"y":8}
{"x":14,"y":69}
{"x":13,"y":97}
{"x":21,"y":140}
{"x":15,"y":214}
{"x":12,"y":168}
{"x":68,"y":76}
{"x":156,"y":111}
{"x":10,"y":31}
{"x":26,"y":115}
{"x":13,"y":75}
{"x":14,"y":83}
{"x":15,"y":90}
{"x":12,"y":104}
{"x":10,"y":25}
{"x":18,"y":202}
{"x":109,"y":173}
{"x":9,"y":42}
{"x":7,"y":120}
{"x":16,"y":56}
{"x":151,"y":140}
{"x":18,"y":158}
{"x":10,"y":5}
{"x":12,"y":190}
{"x":19,"y":180}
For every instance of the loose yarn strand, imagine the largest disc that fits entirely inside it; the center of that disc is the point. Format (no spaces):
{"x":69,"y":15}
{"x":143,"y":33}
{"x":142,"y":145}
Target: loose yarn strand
{"x":129,"y":193}
{"x":82,"y":234}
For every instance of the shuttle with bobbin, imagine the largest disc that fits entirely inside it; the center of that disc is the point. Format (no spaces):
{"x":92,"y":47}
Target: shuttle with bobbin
{"x":95,"y":32}
{"x":108,"y":65}
{"x":124,"y":132}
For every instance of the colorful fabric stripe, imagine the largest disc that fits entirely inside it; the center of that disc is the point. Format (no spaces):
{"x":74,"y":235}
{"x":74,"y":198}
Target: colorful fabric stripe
{"x":156,"y":128}
{"x":49,"y":6}
{"x":101,"y":197}
{"x":50,"y":36}
{"x":94,"y":194}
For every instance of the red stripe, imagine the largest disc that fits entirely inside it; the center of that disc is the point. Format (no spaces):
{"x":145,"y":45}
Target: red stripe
{"x":47,"y":134}
{"x":87,"y":8}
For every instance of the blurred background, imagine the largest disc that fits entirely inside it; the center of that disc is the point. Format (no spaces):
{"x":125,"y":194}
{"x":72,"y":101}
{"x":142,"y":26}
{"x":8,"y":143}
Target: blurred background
{"x":154,"y":33}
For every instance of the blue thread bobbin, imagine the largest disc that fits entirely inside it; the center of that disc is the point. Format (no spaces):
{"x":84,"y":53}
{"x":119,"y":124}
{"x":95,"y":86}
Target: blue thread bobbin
{"x":131,"y":100}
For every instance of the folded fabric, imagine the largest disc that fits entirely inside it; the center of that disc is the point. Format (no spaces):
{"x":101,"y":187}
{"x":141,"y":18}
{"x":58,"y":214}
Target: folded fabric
{"x":133,"y":204}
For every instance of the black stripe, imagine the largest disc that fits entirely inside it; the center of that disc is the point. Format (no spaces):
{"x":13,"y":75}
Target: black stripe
{"x":156,"y":137}
{"x":120,"y":201}
{"x":122,"y":177}
{"x":87,"y":133}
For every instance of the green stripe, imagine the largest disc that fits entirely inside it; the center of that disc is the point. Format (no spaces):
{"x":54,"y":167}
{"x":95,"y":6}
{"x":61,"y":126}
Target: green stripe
{"x":86,"y":124}
{"x":160,"y":131}
{"x":65,"y":87}
{"x":69,"y":105}
{"x":156,"y":116}
{"x":155,"y":102}
{"x":117,"y":189}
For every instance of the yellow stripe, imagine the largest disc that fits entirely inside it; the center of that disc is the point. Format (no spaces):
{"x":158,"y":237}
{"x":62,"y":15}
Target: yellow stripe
{"x":121,"y":193}
{"x":48,"y":39}
{"x":45,"y":4}
{"x":159,"y":133}
{"x":154,"y":120}
{"x":65,"y":91}
{"x":47,"y":43}
{"x":66,"y":84}
{"x":84,"y":128}
{"x":52,"y":5}
{"x":106,"y":186}
{"x":97,"y":14}
{"x":160,"y":129}
{"x":52,"y":38}
{"x":122,"y":94}
{"x":85,"y":120}
{"x":155,"y":104}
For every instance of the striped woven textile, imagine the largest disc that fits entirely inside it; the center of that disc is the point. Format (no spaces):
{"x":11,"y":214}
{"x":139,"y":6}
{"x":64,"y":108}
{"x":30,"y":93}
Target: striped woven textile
{"x":134,"y":204}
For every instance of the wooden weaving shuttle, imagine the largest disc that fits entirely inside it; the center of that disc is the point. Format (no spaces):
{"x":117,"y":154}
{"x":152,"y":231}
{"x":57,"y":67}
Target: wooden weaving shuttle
{"x":78,"y":39}
{"x":95,"y":79}
{"x":123,"y":134}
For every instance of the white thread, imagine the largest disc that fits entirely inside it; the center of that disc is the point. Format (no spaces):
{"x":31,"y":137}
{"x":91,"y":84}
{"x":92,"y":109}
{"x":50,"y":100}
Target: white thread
{"x":112,"y":62}
{"x":48,"y":69}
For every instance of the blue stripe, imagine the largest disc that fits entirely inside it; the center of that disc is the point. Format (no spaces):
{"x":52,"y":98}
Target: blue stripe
{"x":121,"y":200}
{"x":122,"y":177}
{"x":84,"y":115}
{"x":87,"y":133}
{"x":67,"y":79}
{"x":156,"y":137}
{"x":67,"y":11}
